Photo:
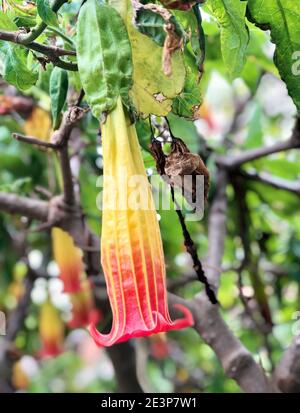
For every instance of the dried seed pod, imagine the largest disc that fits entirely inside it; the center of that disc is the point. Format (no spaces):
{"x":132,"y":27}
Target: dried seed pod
{"x":177,"y":165}
{"x":180,"y":163}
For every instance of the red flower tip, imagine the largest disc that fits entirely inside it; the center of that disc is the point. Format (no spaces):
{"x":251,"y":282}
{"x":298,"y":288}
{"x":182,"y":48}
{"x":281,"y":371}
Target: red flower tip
{"x":161,"y":324}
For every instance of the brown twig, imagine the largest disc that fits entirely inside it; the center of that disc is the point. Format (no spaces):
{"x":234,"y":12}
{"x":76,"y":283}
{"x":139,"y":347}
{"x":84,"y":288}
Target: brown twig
{"x":275,"y":182}
{"x":233,"y":162}
{"x":31,"y":208}
{"x":14,"y":325}
{"x":53,"y":53}
{"x":243,"y":225}
{"x":287,"y":373}
{"x":192,"y":250}
{"x":34,"y":141}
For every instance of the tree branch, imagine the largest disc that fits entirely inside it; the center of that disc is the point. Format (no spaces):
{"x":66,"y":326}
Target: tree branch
{"x":275,"y":182}
{"x":235,"y":161}
{"x":33,"y":141}
{"x":217,"y":229}
{"x":124,"y":362}
{"x":60,"y":139}
{"x":287,"y":373}
{"x":237,"y":361}
{"x":14,"y":324}
{"x":32,"y":208}
{"x":34,"y":33}
{"x":52,"y":52}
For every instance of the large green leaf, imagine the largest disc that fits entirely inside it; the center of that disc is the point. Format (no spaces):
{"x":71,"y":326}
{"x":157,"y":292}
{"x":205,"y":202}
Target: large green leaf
{"x":6,"y":23}
{"x":58,"y":89}
{"x":282,"y":17}
{"x":14,"y":66}
{"x":234,"y":33}
{"x":104,"y":56}
{"x":46,"y":13}
{"x":152,"y":91}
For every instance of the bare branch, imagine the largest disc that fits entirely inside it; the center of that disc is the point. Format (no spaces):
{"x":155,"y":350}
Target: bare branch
{"x":275,"y":182}
{"x":175,"y":283}
{"x":251,"y":155}
{"x":237,"y":361}
{"x":32,"y":208}
{"x":53,"y":53}
{"x":70,"y":118}
{"x":287,"y":373}
{"x":244,"y":224}
{"x":15,"y":323}
{"x":192,"y":250}
{"x":124,"y":362}
{"x":34,"y":141}
{"x":69,"y":194}
{"x":60,"y":139}
{"x":217,"y":229}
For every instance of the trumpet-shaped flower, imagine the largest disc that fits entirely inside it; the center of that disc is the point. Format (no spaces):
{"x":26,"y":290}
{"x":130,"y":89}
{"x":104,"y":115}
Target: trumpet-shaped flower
{"x":51,"y":329}
{"x":69,"y":260}
{"x":83,"y":309}
{"x":131,"y":247}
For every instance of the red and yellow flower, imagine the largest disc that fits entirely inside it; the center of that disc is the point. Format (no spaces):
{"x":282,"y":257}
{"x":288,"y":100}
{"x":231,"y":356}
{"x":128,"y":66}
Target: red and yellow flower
{"x":131,"y":247}
{"x":69,"y":260}
{"x":51,"y":329}
{"x":83,"y":309}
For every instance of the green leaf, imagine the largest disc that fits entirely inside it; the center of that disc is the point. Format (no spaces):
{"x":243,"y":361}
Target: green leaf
{"x":46,"y":13}
{"x":187,"y":103}
{"x":21,"y":185}
{"x":282,"y":19}
{"x":153,"y":25}
{"x":6,"y":23}
{"x":255,"y":134}
{"x":58,"y":89}
{"x":25,"y":21}
{"x":152,"y":91}
{"x":15,"y":70}
{"x":234,"y":33}
{"x":104,"y":56}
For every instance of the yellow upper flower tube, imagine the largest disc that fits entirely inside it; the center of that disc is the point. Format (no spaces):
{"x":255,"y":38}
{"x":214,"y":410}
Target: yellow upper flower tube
{"x":51,"y":329}
{"x":69,"y":260}
{"x":131,"y":247}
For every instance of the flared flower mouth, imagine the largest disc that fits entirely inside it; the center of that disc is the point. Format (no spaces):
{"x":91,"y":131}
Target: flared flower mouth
{"x":131,"y":247}
{"x":160,"y":325}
